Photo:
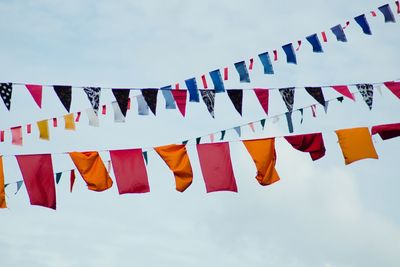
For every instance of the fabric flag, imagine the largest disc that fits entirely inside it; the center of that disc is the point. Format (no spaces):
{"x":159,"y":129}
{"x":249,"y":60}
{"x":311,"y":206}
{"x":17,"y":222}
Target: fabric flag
{"x":312,"y":143}
{"x":367,"y":92}
{"x":150,"y":96}
{"x":78,"y":116}
{"x":251,"y":63}
{"x":302,"y":115}
{"x":243,"y":72}
{"x":315,"y":43}
{"x":262,"y":122}
{"x":169,"y":99}
{"x":266,"y":62}
{"x":43,"y":127}
{"x":251,"y":125}
{"x":29,"y":128}
{"x":36,"y":92}
{"x":263,"y":98}
{"x":289,"y":121}
{"x":394,"y":87}
{"x":356,"y":144}
{"x":3,"y":203}
{"x":37,"y":172}
{"x":64,"y":93}
{"x":386,"y":131}
{"x":387,"y":13}
{"x":93,"y":118}
{"x":92,"y":170}
{"x":398,"y":7}
{"x":198,"y":140}
{"x":298,"y":45}
{"x":143,"y":108}
{"x":191,"y":85}
{"x":145,"y":157}
{"x":55,"y":122}
{"x":6,"y":93}
{"x":209,"y":99}
{"x":93,"y":94}
{"x":275,"y":55}
{"x":16,"y":134}
{"x":344,"y":90}
{"x":71,"y":180}
{"x":177,"y":159}
{"x":362,"y":21}
{"x":339,"y":33}
{"x":204,"y":80}
{"x":69,"y":122}
{"x":288,"y":97}
{"x":263,"y":153}
{"x":314,"y":110}
{"x":225,"y":73}
{"x":216,"y":167}
{"x":130,"y":171}
{"x":104,"y":110}
{"x":19,"y":185}
{"x":118,"y":116}
{"x":222,"y":135}
{"x":323,"y":34}
{"x":340,"y":99}
{"x":122,"y":97}
{"x":316,"y":93}
{"x":58,"y":177}
{"x":290,"y":55}
{"x":217,"y":81}
{"x":236,"y":96}
{"x":180,"y":97}
{"x":326,"y":106}
{"x":1,"y":136}
{"x":238,"y":130}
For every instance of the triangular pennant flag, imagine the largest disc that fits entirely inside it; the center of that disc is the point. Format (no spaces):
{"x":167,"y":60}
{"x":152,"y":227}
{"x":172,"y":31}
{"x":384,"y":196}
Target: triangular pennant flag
{"x":43,"y":127}
{"x":143,"y":108}
{"x":122,"y":97}
{"x":339,"y":33}
{"x":266,"y":61}
{"x":217,"y":81}
{"x":69,"y":122}
{"x":344,"y":90}
{"x":340,"y":99}
{"x":3,"y":203}
{"x":263,"y":123}
{"x":238,"y":130}
{"x":118,"y":116}
{"x":198,"y":139}
{"x":362,"y":21}
{"x":394,"y":87}
{"x":19,"y":185}
{"x":92,"y":117}
{"x":185,"y":142}
{"x":263,"y":153}
{"x":385,"y":131}
{"x":64,"y":93}
{"x":236,"y":96}
{"x":289,"y":121}
{"x":263,"y":98}
{"x":315,"y":43}
{"x":130,"y":171}
{"x":302,"y":115}
{"x":6,"y":93}
{"x":251,"y":125}
{"x":243,"y":72}
{"x":177,"y":159}
{"x":326,"y":106}
{"x":222,"y":135}
{"x":150,"y":96}
{"x":92,"y":170}
{"x":58,"y":177}
{"x":36,"y":92}
{"x":169,"y":99}
{"x":145,"y":157}
{"x":71,"y":180}
{"x":367,"y":92}
{"x":316,"y":93}
{"x":209,"y":99}
{"x":16,"y":134}
{"x":387,"y":13}
{"x":93,"y":94}
{"x":180,"y":97}
{"x":191,"y":85}
{"x":288,"y":97}
{"x":216,"y":167}
{"x":312,"y":143}
{"x":290,"y":54}
{"x":38,"y":175}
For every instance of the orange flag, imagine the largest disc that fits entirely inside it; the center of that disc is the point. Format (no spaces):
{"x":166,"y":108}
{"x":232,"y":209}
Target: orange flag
{"x":92,"y":170}
{"x":356,"y":144}
{"x":264,"y":156}
{"x":3,"y":204}
{"x":178,"y":162}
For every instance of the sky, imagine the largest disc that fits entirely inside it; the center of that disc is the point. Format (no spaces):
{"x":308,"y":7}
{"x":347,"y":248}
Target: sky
{"x":320,"y":213}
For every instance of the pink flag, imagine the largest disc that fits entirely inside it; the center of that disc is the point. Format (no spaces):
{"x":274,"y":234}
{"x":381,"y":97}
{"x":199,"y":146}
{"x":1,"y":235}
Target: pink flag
{"x":1,"y":136}
{"x":251,"y":63}
{"x":324,"y":37}
{"x":72,"y":180}
{"x":275,"y":55}
{"x":38,"y":175}
{"x":394,"y":87}
{"x":225,"y":73}
{"x":16,"y":133}
{"x":203,"y":79}
{"x":130,"y":171}
{"x":36,"y":92}
{"x":180,"y":97}
{"x":78,"y":116}
{"x":251,"y":125}
{"x":344,"y":90}
{"x":55,"y":123}
{"x":263,"y":97}
{"x":216,"y":166}
{"x":104,"y":110}
{"x":28,"y":128}
{"x":298,"y":45}
{"x":373,"y":13}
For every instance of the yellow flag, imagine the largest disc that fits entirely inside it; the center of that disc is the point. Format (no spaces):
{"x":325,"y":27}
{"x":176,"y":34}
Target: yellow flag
{"x":69,"y":122}
{"x":44,"y":129}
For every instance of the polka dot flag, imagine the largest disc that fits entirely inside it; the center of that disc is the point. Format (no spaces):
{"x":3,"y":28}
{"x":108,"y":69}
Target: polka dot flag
{"x":5,"y":94}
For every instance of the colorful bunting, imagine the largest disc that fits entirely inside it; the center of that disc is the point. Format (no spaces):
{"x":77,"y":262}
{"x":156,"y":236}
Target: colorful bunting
{"x":344,"y":90}
{"x":387,"y":13}
{"x":217,"y":80}
{"x":69,"y":122}
{"x":243,"y":72}
{"x":43,"y":127}
{"x":36,"y":92}
{"x":180,"y":97}
{"x":312,"y":143}
{"x":169,"y":99}
{"x":143,"y":108}
{"x":209,"y":99}
{"x":362,"y":21}
{"x":290,"y":55}
{"x":263,"y":97}
{"x":37,"y":172}
{"x":64,"y":93}
{"x":177,"y":159}
{"x":367,"y":92}
{"x":122,"y":97}
{"x":263,"y":154}
{"x":16,"y":134}
{"x":339,"y":33}
{"x":386,"y":131}
{"x":191,"y":85}
{"x":316,"y":93}
{"x":216,"y":167}
{"x":236,"y":96}
{"x":6,"y":93}
{"x":92,"y":170}
{"x":3,"y":203}
{"x":288,"y":97}
{"x":93,"y":94}
{"x":150,"y":96}
{"x":315,"y":43}
{"x":394,"y":87}
{"x":266,"y":62}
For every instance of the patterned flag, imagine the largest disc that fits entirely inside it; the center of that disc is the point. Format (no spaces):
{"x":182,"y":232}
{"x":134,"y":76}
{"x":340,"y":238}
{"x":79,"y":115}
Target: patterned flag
{"x":93,"y":94}
{"x":6,"y":93}
{"x":288,"y":97}
{"x":209,"y":99}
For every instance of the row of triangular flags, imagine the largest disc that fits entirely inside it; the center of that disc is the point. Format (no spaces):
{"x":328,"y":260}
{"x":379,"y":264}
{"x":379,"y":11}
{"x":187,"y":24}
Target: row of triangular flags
{"x":215,"y":161}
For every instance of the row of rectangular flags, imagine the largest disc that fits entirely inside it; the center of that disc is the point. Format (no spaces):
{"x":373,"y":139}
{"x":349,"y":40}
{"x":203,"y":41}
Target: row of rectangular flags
{"x":148,"y":100}
{"x":130,"y":170}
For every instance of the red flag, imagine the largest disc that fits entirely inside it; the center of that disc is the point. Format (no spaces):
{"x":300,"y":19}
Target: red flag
{"x":347,"y":25}
{"x":180,"y":97}
{"x":251,"y":63}
{"x":78,"y":116}
{"x":177,"y":86}
{"x":130,"y":171}
{"x":129,"y":104}
{"x":386,"y":131}
{"x":398,"y":7}
{"x":216,"y":166}
{"x":28,"y":128}
{"x":1,"y":136}
{"x":226,"y":73}
{"x":344,"y":90}
{"x":54,"y":122}
{"x":16,"y":133}
{"x":36,"y":92}
{"x":312,"y":143}
{"x":203,"y":78}
{"x":373,"y":13}
{"x":323,"y":34}
{"x":298,"y":45}
{"x":72,"y":180}
{"x":263,"y":98}
{"x":275,"y":55}
{"x":38,"y":175}
{"x":394,"y":87}
{"x":104,"y":110}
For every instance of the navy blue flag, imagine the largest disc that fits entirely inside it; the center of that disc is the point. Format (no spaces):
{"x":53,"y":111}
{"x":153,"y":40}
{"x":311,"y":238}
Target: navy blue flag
{"x":150,"y":96}
{"x":243,"y":72}
{"x":290,"y":55}
{"x":191,"y":85}
{"x":266,"y":61}
{"x":387,"y":13}
{"x":122,"y":97}
{"x":217,"y":81}
{"x":64,"y":93}
{"x":339,"y":33}
{"x":316,"y":44}
{"x":362,"y":21}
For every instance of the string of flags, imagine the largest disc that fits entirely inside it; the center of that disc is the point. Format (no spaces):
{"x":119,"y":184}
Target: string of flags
{"x":130,"y":171}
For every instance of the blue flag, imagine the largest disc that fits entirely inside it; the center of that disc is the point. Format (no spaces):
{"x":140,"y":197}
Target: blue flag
{"x":289,"y":121}
{"x":290,"y":55}
{"x":266,"y":61}
{"x":243,"y":73}
{"x":191,"y":85}
{"x":339,"y":33}
{"x":362,"y":21}
{"x":169,"y":99}
{"x":217,"y":81}
{"x":387,"y":13}
{"x":316,"y":44}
